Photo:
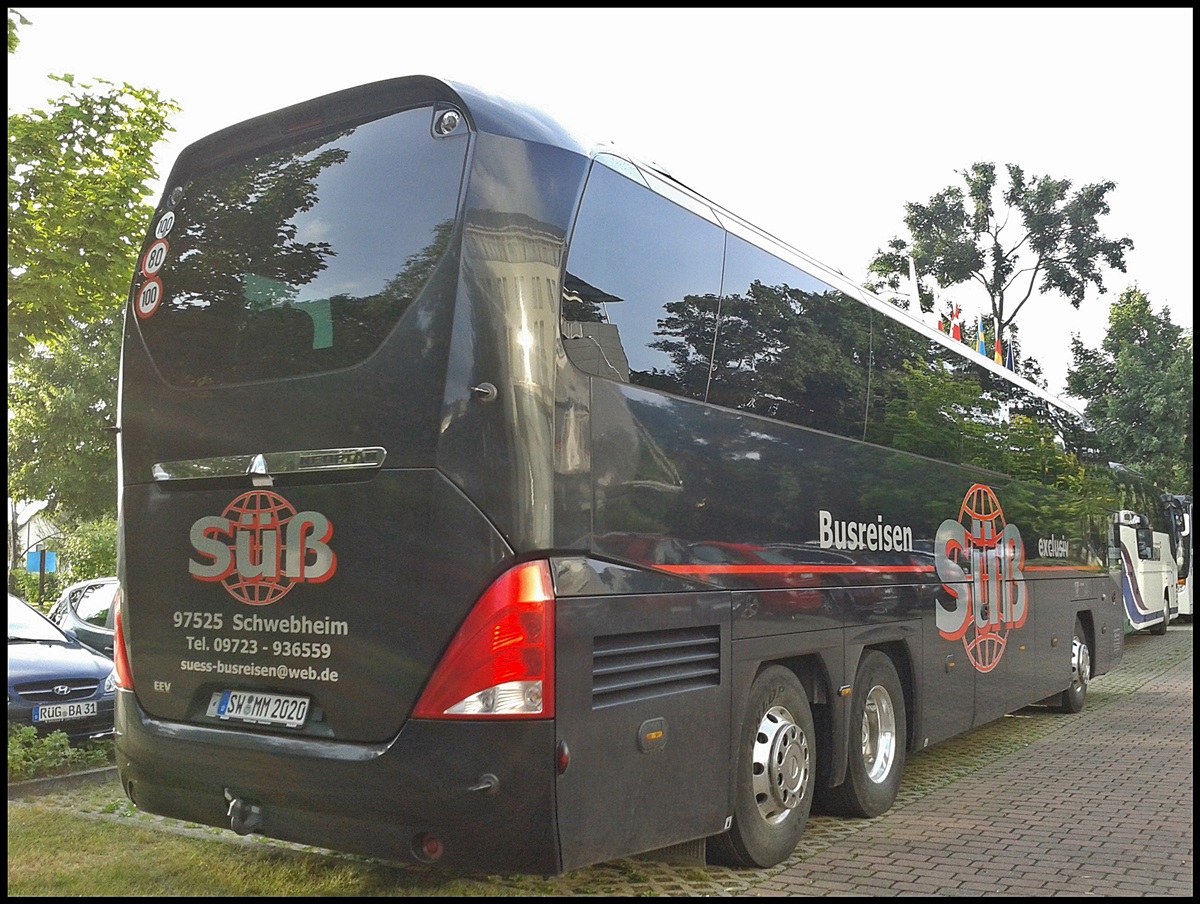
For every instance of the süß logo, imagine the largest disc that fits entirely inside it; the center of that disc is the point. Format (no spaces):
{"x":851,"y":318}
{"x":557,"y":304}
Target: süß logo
{"x":260,"y":547}
{"x":988,"y":594}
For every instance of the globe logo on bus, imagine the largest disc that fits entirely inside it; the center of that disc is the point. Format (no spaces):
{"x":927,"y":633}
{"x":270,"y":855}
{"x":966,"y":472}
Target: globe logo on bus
{"x":257,"y":514}
{"x":260,"y":547}
{"x":982,"y":514}
{"x":979,"y":559}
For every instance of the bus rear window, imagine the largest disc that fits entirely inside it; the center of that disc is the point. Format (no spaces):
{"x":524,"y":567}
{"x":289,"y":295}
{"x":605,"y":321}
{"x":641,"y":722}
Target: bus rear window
{"x":299,"y":261}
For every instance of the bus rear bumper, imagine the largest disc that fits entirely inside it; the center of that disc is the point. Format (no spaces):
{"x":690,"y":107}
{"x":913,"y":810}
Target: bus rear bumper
{"x":485,"y":804}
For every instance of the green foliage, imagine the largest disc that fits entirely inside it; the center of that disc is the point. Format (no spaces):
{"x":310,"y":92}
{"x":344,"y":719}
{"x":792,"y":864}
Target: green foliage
{"x":77,"y":179}
{"x":1028,"y":451}
{"x":957,"y":239}
{"x":62,"y":407}
{"x":14,"y":19}
{"x":89,"y":550}
{"x":37,"y":590}
{"x":939,"y":414}
{"x":1138,"y":389}
{"x":32,"y":757}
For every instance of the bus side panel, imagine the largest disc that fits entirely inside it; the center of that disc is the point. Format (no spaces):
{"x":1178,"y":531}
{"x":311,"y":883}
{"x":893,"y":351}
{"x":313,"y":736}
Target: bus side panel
{"x":642,"y":701}
{"x":499,"y":450}
{"x":1108,"y":625}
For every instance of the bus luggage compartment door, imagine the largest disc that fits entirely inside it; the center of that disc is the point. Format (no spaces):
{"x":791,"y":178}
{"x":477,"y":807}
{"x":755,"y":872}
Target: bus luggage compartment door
{"x":643,"y":710}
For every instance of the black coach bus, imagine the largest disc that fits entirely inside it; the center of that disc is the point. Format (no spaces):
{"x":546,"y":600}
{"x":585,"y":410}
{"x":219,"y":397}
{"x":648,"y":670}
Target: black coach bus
{"x":494,"y":502}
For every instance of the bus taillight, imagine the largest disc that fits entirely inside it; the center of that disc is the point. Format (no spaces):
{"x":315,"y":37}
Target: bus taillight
{"x":501,"y":662}
{"x":120,"y":656}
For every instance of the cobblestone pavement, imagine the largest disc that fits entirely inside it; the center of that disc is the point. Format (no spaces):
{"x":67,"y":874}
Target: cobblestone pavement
{"x":1035,"y":803}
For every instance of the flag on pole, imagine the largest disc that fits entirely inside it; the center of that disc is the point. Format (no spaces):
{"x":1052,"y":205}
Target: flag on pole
{"x":1008,"y":358}
{"x":998,"y":357}
{"x":955,"y":329}
{"x":979,"y":332}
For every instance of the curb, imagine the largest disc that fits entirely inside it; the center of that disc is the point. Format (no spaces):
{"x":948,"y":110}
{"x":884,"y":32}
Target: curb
{"x":34,"y":787}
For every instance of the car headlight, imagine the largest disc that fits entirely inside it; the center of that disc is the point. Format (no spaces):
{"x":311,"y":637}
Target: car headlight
{"x":110,"y":683}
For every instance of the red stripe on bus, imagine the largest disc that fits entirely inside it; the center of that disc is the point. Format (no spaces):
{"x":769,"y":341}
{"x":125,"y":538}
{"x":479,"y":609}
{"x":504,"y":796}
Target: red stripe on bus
{"x":796,"y":569}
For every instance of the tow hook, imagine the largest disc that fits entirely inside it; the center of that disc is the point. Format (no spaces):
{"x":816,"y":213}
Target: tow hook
{"x":245,"y":816}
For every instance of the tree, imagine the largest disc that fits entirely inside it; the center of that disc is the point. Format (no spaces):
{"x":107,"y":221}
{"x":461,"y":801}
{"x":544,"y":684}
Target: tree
{"x":78,"y":175}
{"x":1138,"y":389}
{"x":14,"y":19}
{"x":62,"y":408}
{"x":77,"y":180}
{"x":956,"y":238}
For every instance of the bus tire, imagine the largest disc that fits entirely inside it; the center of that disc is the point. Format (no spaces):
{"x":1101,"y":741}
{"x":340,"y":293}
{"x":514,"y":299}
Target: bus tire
{"x":776,"y":769}
{"x":1159,"y":629}
{"x":1073,"y":698}
{"x":876,"y":764}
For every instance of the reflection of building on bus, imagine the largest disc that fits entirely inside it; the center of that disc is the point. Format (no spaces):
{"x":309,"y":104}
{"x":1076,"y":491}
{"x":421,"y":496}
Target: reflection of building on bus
{"x":575,"y":518}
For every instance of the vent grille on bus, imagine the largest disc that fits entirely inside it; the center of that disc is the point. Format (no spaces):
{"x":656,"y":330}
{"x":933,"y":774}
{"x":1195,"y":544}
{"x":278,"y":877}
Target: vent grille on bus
{"x":628,"y":667}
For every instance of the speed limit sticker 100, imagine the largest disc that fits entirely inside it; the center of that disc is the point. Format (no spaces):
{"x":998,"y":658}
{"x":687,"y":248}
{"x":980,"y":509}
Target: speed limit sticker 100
{"x":150,"y":295}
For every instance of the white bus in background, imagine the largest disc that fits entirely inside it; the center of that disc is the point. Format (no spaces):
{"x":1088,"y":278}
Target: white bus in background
{"x":1148,"y":572}
{"x":1148,"y":540}
{"x":1185,"y":584}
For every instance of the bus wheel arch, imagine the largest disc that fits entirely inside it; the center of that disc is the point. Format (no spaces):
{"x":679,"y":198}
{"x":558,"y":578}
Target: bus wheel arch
{"x":879,"y":741}
{"x":775,"y":774}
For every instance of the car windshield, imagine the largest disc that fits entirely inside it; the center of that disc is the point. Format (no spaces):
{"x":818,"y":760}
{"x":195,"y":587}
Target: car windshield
{"x":25,"y":624}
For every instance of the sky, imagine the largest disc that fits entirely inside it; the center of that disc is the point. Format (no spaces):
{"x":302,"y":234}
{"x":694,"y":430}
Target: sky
{"x":817,"y":125}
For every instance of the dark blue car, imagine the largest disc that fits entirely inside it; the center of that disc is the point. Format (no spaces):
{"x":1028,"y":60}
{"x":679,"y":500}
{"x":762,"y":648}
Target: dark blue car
{"x":56,"y":683}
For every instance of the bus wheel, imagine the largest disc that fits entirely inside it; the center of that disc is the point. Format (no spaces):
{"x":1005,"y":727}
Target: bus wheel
{"x":874,"y":771}
{"x":1161,"y":628}
{"x":1081,"y":669}
{"x":774,"y":780}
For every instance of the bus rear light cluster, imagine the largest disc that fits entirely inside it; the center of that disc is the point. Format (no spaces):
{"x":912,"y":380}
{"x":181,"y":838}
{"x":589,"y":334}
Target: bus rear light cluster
{"x":501,"y":662}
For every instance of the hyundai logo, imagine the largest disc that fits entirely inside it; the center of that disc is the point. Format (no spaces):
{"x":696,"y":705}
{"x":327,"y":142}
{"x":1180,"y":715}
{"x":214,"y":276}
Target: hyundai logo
{"x":62,"y":689}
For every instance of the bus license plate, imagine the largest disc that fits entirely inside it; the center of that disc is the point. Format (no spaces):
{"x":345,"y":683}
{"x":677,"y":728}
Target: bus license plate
{"x":259,"y":708}
{"x":63,"y":712}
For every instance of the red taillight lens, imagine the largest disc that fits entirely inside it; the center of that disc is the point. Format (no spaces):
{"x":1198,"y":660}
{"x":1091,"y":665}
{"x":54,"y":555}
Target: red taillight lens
{"x":501,"y":662}
{"x":120,"y":657}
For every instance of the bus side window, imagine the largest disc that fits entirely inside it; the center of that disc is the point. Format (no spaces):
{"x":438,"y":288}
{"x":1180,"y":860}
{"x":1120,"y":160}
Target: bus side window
{"x":1145,"y":543}
{"x":591,"y":341}
{"x":789,"y":346}
{"x":640,"y":294}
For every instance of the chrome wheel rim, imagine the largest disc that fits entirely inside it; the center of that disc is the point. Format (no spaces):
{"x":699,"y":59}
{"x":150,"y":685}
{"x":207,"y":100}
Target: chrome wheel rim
{"x":1081,"y":665}
{"x":782,"y":765}
{"x":878,"y":734}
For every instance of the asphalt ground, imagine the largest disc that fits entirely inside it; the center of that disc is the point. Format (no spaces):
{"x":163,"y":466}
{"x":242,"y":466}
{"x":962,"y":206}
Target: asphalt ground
{"x":1036,"y":803}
